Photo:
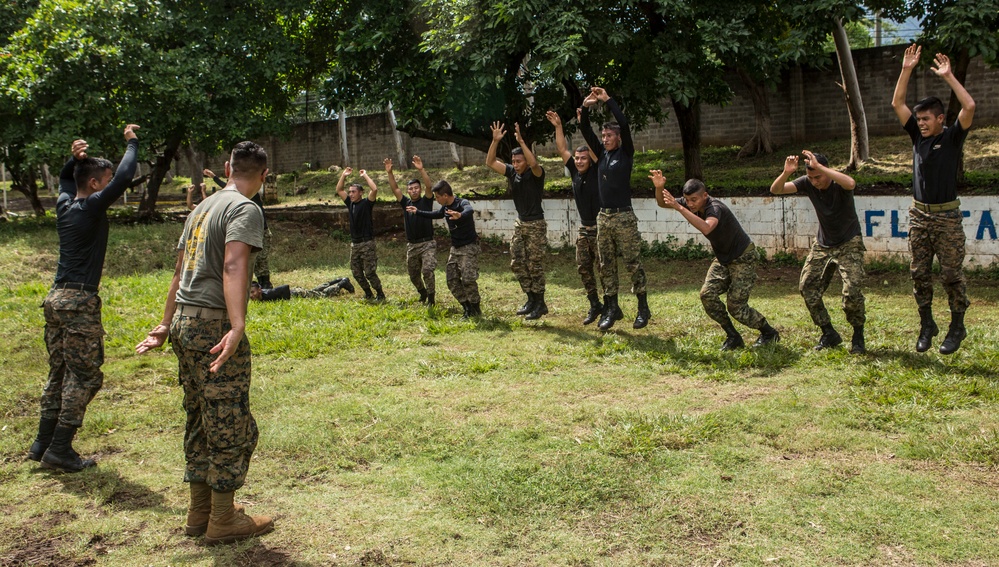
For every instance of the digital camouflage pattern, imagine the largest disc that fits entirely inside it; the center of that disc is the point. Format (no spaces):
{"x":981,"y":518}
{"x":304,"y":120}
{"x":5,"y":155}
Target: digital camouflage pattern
{"x":364,"y":263}
{"x":220,"y":433}
{"x":736,"y":282}
{"x":421,"y":261}
{"x":318,"y":292}
{"x":528,"y":251}
{"x":74,"y":337}
{"x":261,"y":266}
{"x":587,"y":257}
{"x":617,"y":235}
{"x":463,"y":273}
{"x":940,"y":234}
{"x":848,"y":258}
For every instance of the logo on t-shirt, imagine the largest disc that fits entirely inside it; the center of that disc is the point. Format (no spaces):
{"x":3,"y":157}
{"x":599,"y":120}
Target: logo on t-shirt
{"x":937,"y":147}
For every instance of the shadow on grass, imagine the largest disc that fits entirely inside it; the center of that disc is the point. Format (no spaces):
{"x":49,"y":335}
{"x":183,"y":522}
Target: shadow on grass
{"x":919,"y":361}
{"x":251,"y":552}
{"x":105,"y":486}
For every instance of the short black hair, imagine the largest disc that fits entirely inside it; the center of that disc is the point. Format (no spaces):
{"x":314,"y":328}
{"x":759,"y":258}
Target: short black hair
{"x":931,"y":103}
{"x":358,"y":185}
{"x":412,"y":181}
{"x":612,"y":126}
{"x":517,"y":152}
{"x":694,"y":186}
{"x":90,"y":168}
{"x":583,"y":149}
{"x":443,"y":188}
{"x":821,"y":159}
{"x":247,"y":158}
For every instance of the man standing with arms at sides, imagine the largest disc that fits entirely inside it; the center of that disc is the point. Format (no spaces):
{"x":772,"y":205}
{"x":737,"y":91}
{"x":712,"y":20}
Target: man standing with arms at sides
{"x":261,"y":267}
{"x":732,"y":272}
{"x":205,"y":318}
{"x":421,"y":250}
{"x":584,"y":191}
{"x":74,"y":335}
{"x":529,"y":246}
{"x":463,"y":263}
{"x":363,"y":256}
{"x":839,"y":242}
{"x":935,"y":220}
{"x":617,"y":225}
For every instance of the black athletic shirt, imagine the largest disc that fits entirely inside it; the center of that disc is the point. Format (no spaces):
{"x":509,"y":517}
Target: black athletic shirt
{"x":935,"y":161}
{"x":256,"y":196}
{"x":585,"y":192}
{"x":417,"y":228}
{"x":361,"y":226}
{"x":463,"y":229}
{"x":527,"y":189}
{"x":83,"y":223}
{"x":728,"y":239}
{"x":834,"y":207}
{"x":614,"y":167}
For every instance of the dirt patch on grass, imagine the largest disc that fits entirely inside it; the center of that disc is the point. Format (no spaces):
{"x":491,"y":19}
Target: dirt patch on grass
{"x":263,"y":556}
{"x":35,"y":549}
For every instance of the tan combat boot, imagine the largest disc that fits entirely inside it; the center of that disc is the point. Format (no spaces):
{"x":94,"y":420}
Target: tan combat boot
{"x":200,"y":509}
{"x":227,"y":524}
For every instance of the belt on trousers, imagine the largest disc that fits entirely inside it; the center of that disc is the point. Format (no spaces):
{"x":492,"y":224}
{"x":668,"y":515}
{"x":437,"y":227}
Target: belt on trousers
{"x":937,"y":207}
{"x":422,"y":240}
{"x":203,"y":312}
{"x":77,"y":286}
{"x":617,"y":210}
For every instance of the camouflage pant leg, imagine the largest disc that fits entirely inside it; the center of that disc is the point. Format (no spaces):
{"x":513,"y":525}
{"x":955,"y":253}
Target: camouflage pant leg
{"x":463,"y":273}
{"x":364,"y":264}
{"x":940,"y":234}
{"x":74,"y":337}
{"x":586,"y":257}
{"x":736,"y":282}
{"x":617,"y":235}
{"x":220,"y":433}
{"x":261,"y":267}
{"x":421,"y":261}
{"x":817,"y":272}
{"x":528,"y":250}
{"x":849,"y":256}
{"x":307,"y":293}
{"x":812,"y":284}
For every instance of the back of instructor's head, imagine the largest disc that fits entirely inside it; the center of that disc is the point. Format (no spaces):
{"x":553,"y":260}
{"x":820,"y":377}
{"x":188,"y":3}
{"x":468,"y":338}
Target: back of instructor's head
{"x":247,"y":159}
{"x":90,"y":168}
{"x":442,"y":188}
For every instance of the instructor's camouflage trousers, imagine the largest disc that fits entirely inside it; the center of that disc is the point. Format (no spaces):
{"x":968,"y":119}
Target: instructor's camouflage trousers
{"x":421,"y":261}
{"x":849,"y":259}
{"x":617,"y":235}
{"x":463,"y":273}
{"x":736,"y":281}
{"x":261,"y":267}
{"x":528,"y":250}
{"x":587,"y":256}
{"x":941,"y":234}
{"x":74,"y":338}
{"x":364,"y":263}
{"x":220,"y":434}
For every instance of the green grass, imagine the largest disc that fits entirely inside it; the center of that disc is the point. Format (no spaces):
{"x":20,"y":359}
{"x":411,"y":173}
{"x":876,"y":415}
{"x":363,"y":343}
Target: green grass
{"x":394,"y":436}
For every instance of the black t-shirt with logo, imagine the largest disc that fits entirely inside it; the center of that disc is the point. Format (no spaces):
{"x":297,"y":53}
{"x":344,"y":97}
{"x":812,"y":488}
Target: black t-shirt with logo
{"x":834,"y":207}
{"x":417,"y":227}
{"x":528,"y":190}
{"x":361,"y":225}
{"x":728,"y":239}
{"x":586,"y":192}
{"x":935,"y":162}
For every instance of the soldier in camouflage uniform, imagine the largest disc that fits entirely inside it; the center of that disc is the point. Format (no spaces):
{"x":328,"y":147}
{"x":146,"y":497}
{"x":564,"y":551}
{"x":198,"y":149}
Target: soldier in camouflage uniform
{"x":421,"y":248}
{"x":215,"y":253}
{"x":839,"y":243}
{"x":935,"y":220}
{"x":262,"y":266}
{"x":733,"y":271}
{"x":74,"y":335}
{"x":329,"y":289}
{"x":363,"y":255}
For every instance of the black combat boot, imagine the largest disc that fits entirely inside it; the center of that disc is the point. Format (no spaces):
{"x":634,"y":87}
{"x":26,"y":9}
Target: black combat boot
{"x":767,"y":335}
{"x":431,"y":299}
{"x":528,"y":305}
{"x":46,"y":427}
{"x":60,"y":455}
{"x":644,"y":314}
{"x":345,"y":284}
{"x":595,"y":308}
{"x":265,"y":282}
{"x":379,"y":295}
{"x":612,"y":312}
{"x":857,"y":345}
{"x":475,"y":309}
{"x":955,"y":334}
{"x":540,"y":307}
{"x":829,"y":338}
{"x":466,"y":308}
{"x":423,"y":295}
{"x":733,"y":339}
{"x":927,"y":329}
{"x":368,"y":296}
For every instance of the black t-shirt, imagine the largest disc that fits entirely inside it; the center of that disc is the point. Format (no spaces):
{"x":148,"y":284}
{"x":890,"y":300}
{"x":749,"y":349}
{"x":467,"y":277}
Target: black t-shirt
{"x":586,"y":192}
{"x":834,"y":207}
{"x":935,"y":161}
{"x":527,"y":189}
{"x":728,"y":239}
{"x":361,"y":226}
{"x":613,"y":167}
{"x":417,"y":228}
{"x":463,"y":229}
{"x":82,"y":224}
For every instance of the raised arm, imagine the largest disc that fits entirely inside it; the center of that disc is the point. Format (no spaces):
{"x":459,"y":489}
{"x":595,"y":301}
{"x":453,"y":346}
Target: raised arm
{"x":909,"y":61}
{"x":596,"y":146}
{"x":391,"y":177}
{"x":190,"y":197}
{"x":844,"y":180}
{"x":560,"y":145}
{"x":493,"y":163}
{"x":627,"y":144}
{"x":372,"y":188}
{"x":67,"y":183}
{"x":340,"y":191}
{"x":943,"y":70}
{"x":705,"y":226}
{"x":123,"y":176}
{"x":781,"y":185}
{"x":211,"y":174}
{"x":532,"y":161}
{"x":427,"y":183}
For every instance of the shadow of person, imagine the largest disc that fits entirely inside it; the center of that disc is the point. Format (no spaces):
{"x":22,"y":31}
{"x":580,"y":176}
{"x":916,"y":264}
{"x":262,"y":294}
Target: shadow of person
{"x":104,"y":485}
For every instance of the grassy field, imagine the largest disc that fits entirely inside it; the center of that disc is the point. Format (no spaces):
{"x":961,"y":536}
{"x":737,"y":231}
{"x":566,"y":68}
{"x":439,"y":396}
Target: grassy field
{"x":394,"y":436}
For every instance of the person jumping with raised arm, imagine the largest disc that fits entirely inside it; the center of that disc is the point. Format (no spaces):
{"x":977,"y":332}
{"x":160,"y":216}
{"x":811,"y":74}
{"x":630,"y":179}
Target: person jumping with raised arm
{"x":363,"y":256}
{"x":936,"y":225}
{"x":421,"y":249}
{"x":529,"y":246}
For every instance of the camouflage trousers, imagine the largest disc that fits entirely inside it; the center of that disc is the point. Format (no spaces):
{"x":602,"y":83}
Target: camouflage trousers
{"x":736,"y":281}
{"x":220,"y":433}
{"x":528,"y":250}
{"x":587,"y":256}
{"x":319,"y":292}
{"x":617,"y":235}
{"x":74,"y":337}
{"x":463,"y":273}
{"x":364,"y":263}
{"x":816,"y":274}
{"x":261,"y":267}
{"x":421,"y":261}
{"x":940,"y":234}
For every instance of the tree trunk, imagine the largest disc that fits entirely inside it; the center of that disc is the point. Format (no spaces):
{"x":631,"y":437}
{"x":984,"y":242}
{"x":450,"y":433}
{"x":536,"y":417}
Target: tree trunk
{"x":197,"y":166}
{"x":27,"y":183}
{"x":859,"y":142}
{"x":762,"y":141}
{"x":959,"y":63}
{"x":689,"y":121}
{"x":147,"y":208}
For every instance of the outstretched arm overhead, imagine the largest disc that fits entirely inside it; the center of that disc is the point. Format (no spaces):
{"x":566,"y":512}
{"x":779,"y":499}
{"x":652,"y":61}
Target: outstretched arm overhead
{"x":909,"y":61}
{"x":596,"y":146}
{"x":627,"y":144}
{"x":218,"y":180}
{"x":373,"y":189}
{"x":427,"y":184}
{"x":532,"y":161}
{"x":67,"y":183}
{"x":493,"y":163}
{"x":340,"y":191}
{"x":123,"y":175}
{"x":391,"y":176}
{"x":781,"y":185}
{"x":943,"y":70}
{"x":560,"y":144}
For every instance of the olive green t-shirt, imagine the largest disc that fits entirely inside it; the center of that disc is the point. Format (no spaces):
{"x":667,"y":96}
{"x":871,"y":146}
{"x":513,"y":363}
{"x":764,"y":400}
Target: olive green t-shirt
{"x":224,"y":217}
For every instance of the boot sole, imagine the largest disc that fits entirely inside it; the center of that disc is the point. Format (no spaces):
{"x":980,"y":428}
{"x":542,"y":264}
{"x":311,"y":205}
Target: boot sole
{"x":240,"y":537}
{"x":60,"y":469}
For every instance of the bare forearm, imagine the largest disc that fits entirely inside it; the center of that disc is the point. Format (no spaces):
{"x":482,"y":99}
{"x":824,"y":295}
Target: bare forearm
{"x":234,"y":278}
{"x":777,"y":187}
{"x":696,"y":221}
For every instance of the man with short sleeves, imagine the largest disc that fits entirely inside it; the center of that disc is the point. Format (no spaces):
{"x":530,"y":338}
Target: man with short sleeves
{"x":839,"y":243}
{"x":421,"y":249}
{"x":261,"y":266}
{"x":935,"y":221}
{"x":363,"y":255}
{"x":205,"y":319}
